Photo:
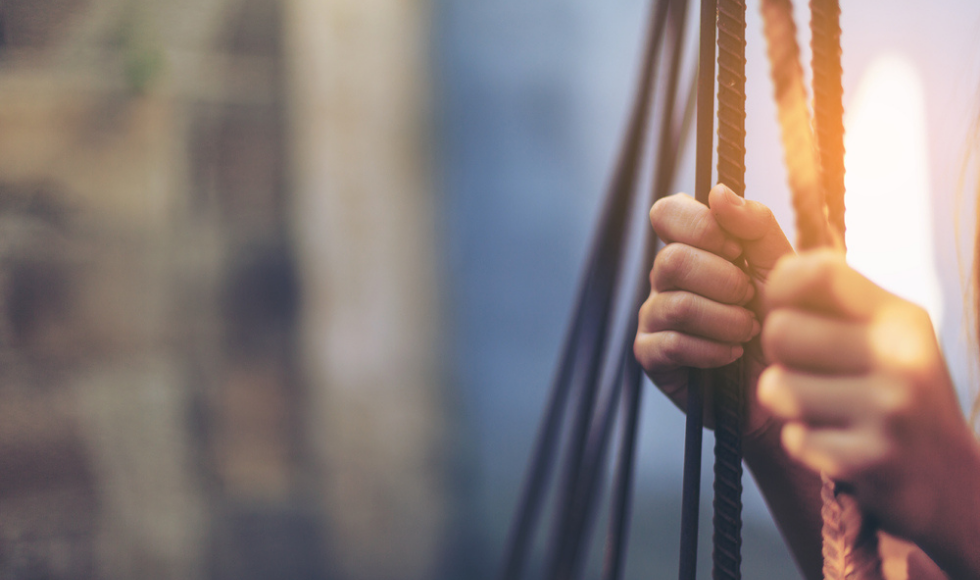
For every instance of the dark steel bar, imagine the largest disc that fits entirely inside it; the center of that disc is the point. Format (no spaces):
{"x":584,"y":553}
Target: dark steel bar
{"x":618,"y":535}
{"x":567,"y":521}
{"x":591,"y":308}
{"x":691,"y":497}
{"x":727,"y":381}
{"x":706,"y":100}
{"x":576,"y":528}
{"x":695,"y":398}
{"x":617,"y":541}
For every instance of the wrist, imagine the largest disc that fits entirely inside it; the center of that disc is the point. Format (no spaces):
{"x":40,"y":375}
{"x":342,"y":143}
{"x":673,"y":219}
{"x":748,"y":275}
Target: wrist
{"x":765,"y":440}
{"x":792,"y":493}
{"x":955,"y":534}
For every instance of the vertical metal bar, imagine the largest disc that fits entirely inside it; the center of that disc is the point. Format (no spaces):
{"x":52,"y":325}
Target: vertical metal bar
{"x":843,"y":556}
{"x":575,"y":527}
{"x":615,"y":562}
{"x":617,"y":539}
{"x":591,"y":308}
{"x":690,"y":501}
{"x":727,"y":381}
{"x":802,"y":163}
{"x":691,"y":498}
{"x":567,"y":520}
{"x":828,"y":105}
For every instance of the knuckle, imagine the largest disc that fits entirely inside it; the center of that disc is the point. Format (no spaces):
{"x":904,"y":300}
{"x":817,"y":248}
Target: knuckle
{"x":745,"y":325}
{"x":826,"y":265}
{"x":644,"y":315}
{"x":705,"y":229}
{"x":897,"y":404}
{"x":767,"y":390}
{"x":658,"y":213}
{"x":919,"y":316}
{"x":767,"y":215}
{"x":835,"y":469}
{"x":734,"y":284}
{"x":640,"y":353}
{"x":672,"y":347}
{"x":644,"y":349}
{"x":671,"y":263}
{"x":775,"y":332}
{"x":678,"y":308}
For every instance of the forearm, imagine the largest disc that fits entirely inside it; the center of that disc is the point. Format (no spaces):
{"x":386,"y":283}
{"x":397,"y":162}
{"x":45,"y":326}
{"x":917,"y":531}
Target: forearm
{"x":792,"y":493}
{"x":953,"y":539}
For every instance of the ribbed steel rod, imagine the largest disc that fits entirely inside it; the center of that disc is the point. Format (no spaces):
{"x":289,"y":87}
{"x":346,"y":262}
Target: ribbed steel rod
{"x":799,"y":150}
{"x":727,"y":381}
{"x":850,"y":548}
{"x":828,"y":105}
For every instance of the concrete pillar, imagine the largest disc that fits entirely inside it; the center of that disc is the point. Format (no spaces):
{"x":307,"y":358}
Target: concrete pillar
{"x":363,"y":220}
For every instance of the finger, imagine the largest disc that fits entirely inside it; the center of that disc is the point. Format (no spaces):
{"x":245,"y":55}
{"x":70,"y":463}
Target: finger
{"x":682,"y":267}
{"x":696,"y":315}
{"x":839,"y":453}
{"x":921,"y":567}
{"x":668,"y":350}
{"x":752,"y":223}
{"x":681,"y":219}
{"x":817,"y":401}
{"x":810,"y":342}
{"x":822,"y":281}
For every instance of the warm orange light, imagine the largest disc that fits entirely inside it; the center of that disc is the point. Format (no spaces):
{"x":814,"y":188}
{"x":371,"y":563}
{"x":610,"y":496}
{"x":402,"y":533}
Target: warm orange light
{"x":889,"y":212}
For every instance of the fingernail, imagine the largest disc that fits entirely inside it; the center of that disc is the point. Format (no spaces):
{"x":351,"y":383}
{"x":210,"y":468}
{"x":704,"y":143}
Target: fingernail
{"x":731,"y":249}
{"x":733,"y":198}
{"x":756,"y":328}
{"x":737,"y":351}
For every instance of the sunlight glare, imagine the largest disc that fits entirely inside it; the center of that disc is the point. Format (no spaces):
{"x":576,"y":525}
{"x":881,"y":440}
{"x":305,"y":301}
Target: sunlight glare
{"x":889,"y":211}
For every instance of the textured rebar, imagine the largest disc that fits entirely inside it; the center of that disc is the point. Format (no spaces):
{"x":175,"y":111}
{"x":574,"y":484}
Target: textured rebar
{"x":727,"y":553}
{"x":800,"y":154}
{"x":828,"y":105}
{"x":727,"y":544}
{"x":731,"y":94}
{"x":850,"y":541}
{"x":850,"y":547}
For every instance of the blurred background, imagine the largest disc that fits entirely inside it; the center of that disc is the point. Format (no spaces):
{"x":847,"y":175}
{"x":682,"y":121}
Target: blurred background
{"x":282,"y":283}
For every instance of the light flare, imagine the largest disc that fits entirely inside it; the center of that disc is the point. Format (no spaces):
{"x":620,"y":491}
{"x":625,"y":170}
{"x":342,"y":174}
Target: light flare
{"x":889,"y":210}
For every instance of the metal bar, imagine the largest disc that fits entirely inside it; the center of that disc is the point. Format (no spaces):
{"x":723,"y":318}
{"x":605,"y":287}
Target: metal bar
{"x":690,"y":501}
{"x":591,"y":307}
{"x":802,"y":163}
{"x":673,"y":140}
{"x":727,"y":381}
{"x":828,"y":105}
{"x":615,"y":562}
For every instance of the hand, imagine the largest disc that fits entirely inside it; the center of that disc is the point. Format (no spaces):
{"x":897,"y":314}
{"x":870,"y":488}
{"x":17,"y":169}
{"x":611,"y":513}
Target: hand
{"x":703,"y":311}
{"x":861,"y":384}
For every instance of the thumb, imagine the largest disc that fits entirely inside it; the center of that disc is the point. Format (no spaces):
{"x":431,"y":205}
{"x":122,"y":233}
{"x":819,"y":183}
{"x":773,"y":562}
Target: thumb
{"x":753,"y":223}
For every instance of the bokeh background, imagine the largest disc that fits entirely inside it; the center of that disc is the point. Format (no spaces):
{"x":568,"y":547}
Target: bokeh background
{"x":282,"y":283}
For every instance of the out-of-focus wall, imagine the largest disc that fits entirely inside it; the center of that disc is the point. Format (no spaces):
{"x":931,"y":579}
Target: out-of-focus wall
{"x":218,"y":306}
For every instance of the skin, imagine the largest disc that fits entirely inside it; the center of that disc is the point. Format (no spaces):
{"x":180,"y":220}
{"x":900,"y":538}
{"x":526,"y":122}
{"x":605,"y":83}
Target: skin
{"x":842,"y":377}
